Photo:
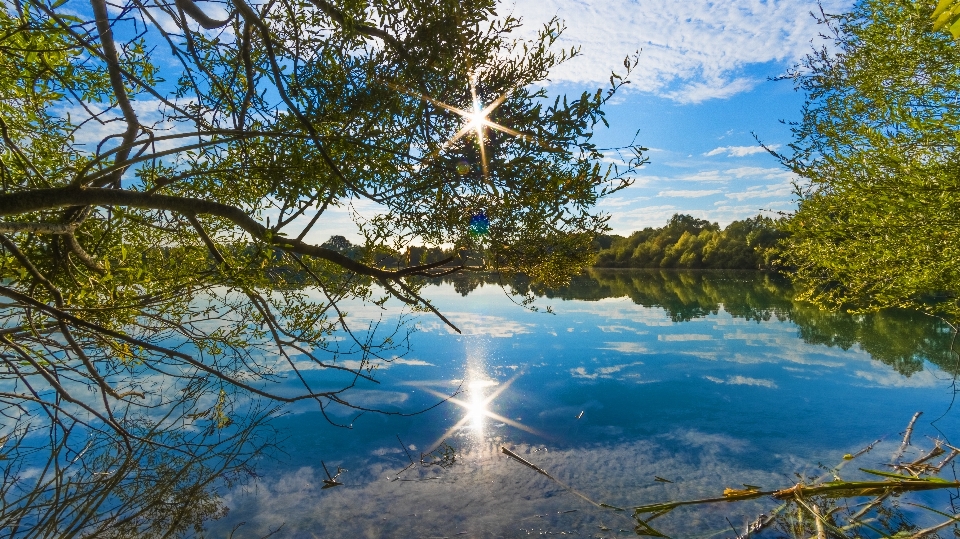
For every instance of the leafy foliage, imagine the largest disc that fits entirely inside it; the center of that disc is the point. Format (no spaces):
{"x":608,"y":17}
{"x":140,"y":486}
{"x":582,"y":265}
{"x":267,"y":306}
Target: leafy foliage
{"x":690,"y":243}
{"x":947,"y":16}
{"x":877,"y":150}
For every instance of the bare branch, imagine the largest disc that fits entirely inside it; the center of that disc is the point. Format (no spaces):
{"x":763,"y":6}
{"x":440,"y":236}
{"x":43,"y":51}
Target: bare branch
{"x":191,"y":8}
{"x":116,"y":81}
{"x":48,"y":199}
{"x":37,"y":228}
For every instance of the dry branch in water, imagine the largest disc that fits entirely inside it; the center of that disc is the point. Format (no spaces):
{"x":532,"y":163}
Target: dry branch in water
{"x":810,"y":499}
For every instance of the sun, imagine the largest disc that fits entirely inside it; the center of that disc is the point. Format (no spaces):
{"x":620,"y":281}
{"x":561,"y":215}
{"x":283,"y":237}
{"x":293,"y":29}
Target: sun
{"x":476,"y":121}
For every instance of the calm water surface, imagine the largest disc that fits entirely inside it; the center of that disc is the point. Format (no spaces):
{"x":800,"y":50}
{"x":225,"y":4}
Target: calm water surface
{"x":708,"y":380}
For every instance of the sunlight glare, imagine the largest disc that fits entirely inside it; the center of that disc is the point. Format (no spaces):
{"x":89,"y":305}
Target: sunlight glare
{"x":477,"y":120}
{"x":477,"y":405}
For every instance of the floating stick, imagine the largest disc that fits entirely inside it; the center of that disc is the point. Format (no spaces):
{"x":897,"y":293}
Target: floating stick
{"x":540,"y":470}
{"x":906,"y":437}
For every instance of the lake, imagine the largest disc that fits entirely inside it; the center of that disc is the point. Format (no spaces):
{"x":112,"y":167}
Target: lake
{"x":637,"y":387}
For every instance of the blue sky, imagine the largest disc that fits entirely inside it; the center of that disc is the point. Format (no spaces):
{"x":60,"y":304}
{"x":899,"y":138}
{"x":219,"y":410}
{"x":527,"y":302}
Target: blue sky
{"x":699,"y":93}
{"x":700,"y":90}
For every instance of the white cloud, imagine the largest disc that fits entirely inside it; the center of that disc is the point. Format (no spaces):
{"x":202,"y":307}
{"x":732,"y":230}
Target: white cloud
{"x":617,"y":202}
{"x":743,"y":381}
{"x":883,"y":376}
{"x":746,"y":381}
{"x":479,"y":324}
{"x":602,"y":372}
{"x":700,"y":176}
{"x":739,"y":151}
{"x":457,"y":501}
{"x":691,"y":51}
{"x":724,"y":175}
{"x":759,"y":173}
{"x":688,"y":193}
{"x":620,"y":308}
{"x":699,"y":92}
{"x":778,"y":190}
{"x":615,"y":328}
{"x":356,"y":364}
{"x":684,"y":337}
{"x":626,"y":347}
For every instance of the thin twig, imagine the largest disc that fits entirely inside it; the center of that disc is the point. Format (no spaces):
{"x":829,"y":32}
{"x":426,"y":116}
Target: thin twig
{"x":906,"y":437}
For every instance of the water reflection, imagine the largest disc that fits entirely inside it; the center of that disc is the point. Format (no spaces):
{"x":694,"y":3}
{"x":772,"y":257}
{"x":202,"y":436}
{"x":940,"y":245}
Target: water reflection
{"x":697,"y":383}
{"x":901,"y":339}
{"x":477,"y":408}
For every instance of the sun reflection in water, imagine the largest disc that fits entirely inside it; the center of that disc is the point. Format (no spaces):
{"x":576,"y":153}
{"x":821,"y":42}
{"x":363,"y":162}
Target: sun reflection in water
{"x":477,"y":406}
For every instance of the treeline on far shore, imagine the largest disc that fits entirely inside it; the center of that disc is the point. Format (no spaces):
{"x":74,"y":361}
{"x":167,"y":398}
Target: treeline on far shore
{"x":686,"y":242}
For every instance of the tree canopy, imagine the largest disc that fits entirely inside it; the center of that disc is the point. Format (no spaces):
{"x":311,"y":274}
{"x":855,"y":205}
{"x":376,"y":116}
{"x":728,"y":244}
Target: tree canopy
{"x":162,"y":168}
{"x":947,"y":17}
{"x":876,"y":153}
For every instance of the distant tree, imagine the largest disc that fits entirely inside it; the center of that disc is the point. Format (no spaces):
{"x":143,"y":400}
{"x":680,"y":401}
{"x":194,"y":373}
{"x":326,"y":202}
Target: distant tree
{"x":751,"y":243}
{"x":337,"y":243}
{"x":690,"y":243}
{"x":877,"y":150}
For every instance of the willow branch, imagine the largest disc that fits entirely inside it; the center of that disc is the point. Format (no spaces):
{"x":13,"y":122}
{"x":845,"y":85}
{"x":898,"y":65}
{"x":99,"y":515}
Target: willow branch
{"x":61,"y":391}
{"x":53,"y":198}
{"x":427,"y":304}
{"x":85,"y":258}
{"x":31,"y":269}
{"x":193,"y":10}
{"x":116,"y":81}
{"x":250,"y":16}
{"x":372,"y":31}
{"x":37,"y":228}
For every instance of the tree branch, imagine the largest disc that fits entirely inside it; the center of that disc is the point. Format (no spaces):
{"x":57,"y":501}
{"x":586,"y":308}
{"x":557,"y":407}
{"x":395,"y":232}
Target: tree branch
{"x":116,"y":82}
{"x":191,"y":8}
{"x":84,"y":257}
{"x":37,"y":228}
{"x":338,"y":17}
{"x":49,"y":199}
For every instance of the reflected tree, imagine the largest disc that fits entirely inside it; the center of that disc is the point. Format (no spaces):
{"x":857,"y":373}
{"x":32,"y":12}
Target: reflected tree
{"x":901,"y":339}
{"x":69,"y":477}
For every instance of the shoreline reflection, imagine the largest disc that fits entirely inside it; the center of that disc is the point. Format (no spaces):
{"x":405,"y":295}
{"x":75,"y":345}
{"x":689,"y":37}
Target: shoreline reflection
{"x":900,"y":339}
